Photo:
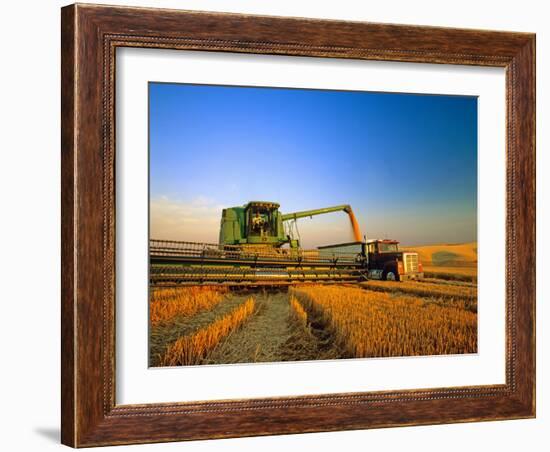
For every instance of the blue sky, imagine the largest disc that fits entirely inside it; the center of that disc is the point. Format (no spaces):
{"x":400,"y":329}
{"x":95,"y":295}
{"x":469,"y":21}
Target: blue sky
{"x":406,"y":163}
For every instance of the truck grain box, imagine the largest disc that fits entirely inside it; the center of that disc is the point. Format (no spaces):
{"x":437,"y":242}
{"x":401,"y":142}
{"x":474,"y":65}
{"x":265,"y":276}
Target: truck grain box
{"x":347,"y":248}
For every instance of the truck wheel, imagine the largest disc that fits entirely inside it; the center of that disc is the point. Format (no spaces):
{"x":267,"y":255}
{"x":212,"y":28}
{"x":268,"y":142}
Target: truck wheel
{"x":391,"y":276}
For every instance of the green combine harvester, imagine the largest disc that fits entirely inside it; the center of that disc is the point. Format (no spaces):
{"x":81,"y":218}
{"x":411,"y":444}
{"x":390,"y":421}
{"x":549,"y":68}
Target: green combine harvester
{"x":261,"y":223}
{"x":259,"y":245}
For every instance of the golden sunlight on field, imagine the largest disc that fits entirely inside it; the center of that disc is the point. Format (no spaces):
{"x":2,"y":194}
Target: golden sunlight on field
{"x":297,"y":312}
{"x":193,"y":348}
{"x":467,"y":292}
{"x":371,"y":324}
{"x":192,"y":325}
{"x":171,"y":302}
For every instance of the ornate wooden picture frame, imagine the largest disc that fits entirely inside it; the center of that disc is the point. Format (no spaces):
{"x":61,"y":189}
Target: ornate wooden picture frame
{"x":90,"y":37}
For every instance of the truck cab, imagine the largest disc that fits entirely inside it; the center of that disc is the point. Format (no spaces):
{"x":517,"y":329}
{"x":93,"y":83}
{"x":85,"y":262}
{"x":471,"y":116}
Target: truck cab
{"x":387,"y":262}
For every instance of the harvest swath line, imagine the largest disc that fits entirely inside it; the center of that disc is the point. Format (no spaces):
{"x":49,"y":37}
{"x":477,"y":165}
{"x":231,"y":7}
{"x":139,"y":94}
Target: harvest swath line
{"x":424,"y":289}
{"x":168,"y":331}
{"x":449,"y":282}
{"x":368,"y":324}
{"x":297,"y":312}
{"x":467,"y":274}
{"x":192,"y":349}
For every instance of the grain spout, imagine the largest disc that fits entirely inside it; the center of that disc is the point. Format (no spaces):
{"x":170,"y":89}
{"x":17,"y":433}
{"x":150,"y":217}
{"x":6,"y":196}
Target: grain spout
{"x":354,"y":226}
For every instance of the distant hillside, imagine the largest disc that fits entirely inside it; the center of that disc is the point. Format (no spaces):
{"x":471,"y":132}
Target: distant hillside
{"x":460,"y":254}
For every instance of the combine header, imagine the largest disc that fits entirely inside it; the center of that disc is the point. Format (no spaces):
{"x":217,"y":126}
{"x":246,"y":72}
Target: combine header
{"x":258,"y":245}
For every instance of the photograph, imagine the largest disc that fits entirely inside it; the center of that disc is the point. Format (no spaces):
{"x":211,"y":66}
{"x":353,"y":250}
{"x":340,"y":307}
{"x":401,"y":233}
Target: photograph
{"x":291,"y":224}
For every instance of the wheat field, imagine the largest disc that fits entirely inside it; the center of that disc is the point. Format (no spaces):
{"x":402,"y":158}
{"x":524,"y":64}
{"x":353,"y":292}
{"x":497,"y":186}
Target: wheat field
{"x":425,"y":289}
{"x":376,"y":324}
{"x":297,"y":312}
{"x":216,"y":325}
{"x":168,"y":303}
{"x":193,"y":348}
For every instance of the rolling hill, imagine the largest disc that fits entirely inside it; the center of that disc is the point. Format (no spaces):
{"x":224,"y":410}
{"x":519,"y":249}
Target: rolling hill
{"x":449,"y":255}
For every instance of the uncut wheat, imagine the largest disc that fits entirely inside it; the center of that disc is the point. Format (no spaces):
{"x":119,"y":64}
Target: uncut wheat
{"x":372,"y":324}
{"x":427,"y":289}
{"x":168,"y":303}
{"x":297,"y":312}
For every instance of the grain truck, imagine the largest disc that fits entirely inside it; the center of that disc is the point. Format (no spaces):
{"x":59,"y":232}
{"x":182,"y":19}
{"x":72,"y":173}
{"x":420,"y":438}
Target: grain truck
{"x":382,"y":258}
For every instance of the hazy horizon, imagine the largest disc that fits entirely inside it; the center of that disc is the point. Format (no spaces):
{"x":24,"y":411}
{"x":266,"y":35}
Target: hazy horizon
{"x":406,"y":163}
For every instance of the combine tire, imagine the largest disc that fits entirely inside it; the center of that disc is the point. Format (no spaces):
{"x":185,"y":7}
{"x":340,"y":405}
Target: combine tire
{"x":391,"y":275}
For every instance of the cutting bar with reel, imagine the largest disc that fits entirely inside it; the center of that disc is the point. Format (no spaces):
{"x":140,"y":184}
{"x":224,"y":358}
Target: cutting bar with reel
{"x":188,"y":263}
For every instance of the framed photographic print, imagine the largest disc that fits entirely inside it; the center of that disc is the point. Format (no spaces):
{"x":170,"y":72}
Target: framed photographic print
{"x":281,"y":225}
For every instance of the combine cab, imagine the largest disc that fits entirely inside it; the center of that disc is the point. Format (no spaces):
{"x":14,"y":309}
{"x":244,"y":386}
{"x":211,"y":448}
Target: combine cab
{"x":260,"y":223}
{"x":259,"y":245}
